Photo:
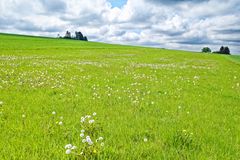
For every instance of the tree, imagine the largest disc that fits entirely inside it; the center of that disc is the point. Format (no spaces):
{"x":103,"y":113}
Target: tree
{"x":221,"y":49}
{"x":68,"y":35}
{"x":226,"y":50}
{"x":206,"y":50}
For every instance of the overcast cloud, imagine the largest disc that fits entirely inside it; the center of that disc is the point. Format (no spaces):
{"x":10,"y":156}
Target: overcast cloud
{"x":174,"y":24}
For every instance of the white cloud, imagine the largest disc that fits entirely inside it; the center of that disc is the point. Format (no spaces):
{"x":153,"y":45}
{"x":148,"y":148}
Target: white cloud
{"x":166,"y":24}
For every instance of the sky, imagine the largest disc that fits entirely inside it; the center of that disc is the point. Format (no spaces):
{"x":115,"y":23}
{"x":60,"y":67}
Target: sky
{"x":173,"y":24}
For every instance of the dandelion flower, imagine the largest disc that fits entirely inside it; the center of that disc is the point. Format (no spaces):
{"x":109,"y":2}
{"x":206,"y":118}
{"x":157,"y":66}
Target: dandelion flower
{"x":68,"y":151}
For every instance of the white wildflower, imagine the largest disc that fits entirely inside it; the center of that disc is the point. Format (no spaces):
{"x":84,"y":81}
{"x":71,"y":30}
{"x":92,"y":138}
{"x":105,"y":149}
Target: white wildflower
{"x":88,"y":140}
{"x":68,"y":151}
{"x":1,"y":103}
{"x":60,"y":123}
{"x":94,"y":114}
{"x":82,"y":131}
{"x":82,"y":135}
{"x":74,"y":147}
{"x":84,"y":141}
{"x":87,"y":116}
{"x":82,"y":119}
{"x":53,"y":113}
{"x":68,"y":146}
{"x":23,"y":116}
{"x":100,"y":138}
{"x":145,"y":139}
{"x":102,"y":144}
{"x":91,"y":121}
{"x":90,"y":143}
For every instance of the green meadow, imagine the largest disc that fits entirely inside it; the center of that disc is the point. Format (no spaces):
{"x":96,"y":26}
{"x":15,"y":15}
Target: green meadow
{"x":150,"y":103}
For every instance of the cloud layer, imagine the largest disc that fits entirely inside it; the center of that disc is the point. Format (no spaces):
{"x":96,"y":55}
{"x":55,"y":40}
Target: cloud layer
{"x":175,"y":24}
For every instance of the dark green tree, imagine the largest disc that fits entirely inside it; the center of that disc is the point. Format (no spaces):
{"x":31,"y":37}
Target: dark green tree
{"x":206,"y":50}
{"x":225,"y":50}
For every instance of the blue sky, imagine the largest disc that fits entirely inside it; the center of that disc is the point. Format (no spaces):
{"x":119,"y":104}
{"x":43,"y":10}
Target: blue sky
{"x":118,"y":3}
{"x":174,"y":24}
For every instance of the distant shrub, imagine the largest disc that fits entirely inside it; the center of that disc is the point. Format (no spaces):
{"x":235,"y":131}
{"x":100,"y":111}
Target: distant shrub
{"x":206,"y":50}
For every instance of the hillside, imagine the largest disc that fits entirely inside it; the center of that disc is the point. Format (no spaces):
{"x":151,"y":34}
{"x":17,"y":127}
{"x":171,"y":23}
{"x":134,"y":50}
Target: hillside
{"x":150,"y":103}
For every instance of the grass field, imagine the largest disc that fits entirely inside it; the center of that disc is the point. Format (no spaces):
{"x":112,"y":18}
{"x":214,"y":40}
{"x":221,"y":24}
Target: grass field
{"x":150,"y":103}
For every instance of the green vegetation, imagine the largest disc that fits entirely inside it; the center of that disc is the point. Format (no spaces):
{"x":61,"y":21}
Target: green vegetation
{"x":206,"y":50}
{"x":150,"y":103}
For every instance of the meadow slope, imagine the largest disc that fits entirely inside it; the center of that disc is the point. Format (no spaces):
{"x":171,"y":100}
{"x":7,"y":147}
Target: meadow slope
{"x":150,"y":103}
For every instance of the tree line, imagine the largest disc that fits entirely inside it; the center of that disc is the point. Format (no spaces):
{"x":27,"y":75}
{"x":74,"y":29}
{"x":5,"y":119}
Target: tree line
{"x":78,"y":36}
{"x":222,"y":50}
